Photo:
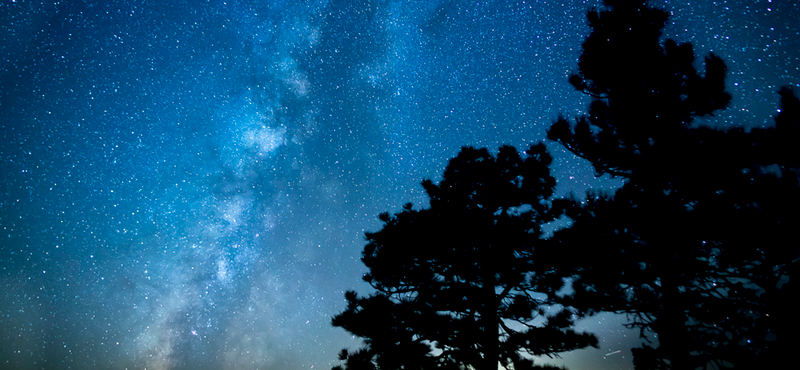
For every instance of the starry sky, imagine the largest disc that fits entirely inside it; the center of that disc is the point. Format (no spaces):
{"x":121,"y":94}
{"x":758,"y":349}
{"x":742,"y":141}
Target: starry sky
{"x":186,"y":184}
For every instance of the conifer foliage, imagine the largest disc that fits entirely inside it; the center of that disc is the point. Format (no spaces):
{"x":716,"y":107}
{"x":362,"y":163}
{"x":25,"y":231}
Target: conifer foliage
{"x":460,"y":283}
{"x":698,"y":244}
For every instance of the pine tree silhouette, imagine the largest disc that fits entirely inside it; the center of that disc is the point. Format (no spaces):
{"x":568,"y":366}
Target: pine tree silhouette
{"x":462,"y":283}
{"x":698,"y":244}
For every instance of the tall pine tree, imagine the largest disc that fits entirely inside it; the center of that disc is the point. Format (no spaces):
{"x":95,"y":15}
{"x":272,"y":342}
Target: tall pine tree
{"x":461,"y":284}
{"x":698,"y":244}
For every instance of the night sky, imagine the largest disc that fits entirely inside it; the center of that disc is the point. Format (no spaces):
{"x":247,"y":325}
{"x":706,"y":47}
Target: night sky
{"x":186,"y":184}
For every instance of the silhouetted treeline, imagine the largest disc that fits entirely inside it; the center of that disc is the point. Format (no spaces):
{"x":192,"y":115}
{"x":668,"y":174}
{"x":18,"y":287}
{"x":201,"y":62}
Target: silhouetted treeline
{"x":698,"y":245}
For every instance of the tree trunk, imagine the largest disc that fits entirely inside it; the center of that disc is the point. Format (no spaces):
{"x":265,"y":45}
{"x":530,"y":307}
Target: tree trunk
{"x":490,"y":318}
{"x":673,"y":325}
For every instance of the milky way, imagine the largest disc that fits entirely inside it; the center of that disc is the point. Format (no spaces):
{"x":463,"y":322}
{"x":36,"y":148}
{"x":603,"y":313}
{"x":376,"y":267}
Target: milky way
{"x":185,"y":185}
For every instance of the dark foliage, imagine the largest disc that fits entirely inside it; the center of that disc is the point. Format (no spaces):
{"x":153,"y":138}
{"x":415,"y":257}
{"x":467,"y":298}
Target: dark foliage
{"x":461,"y":283}
{"x":698,"y":245}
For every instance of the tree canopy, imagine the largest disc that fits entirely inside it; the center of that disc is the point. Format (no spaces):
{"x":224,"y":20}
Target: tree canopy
{"x":697,"y":244}
{"x":461,"y":283}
